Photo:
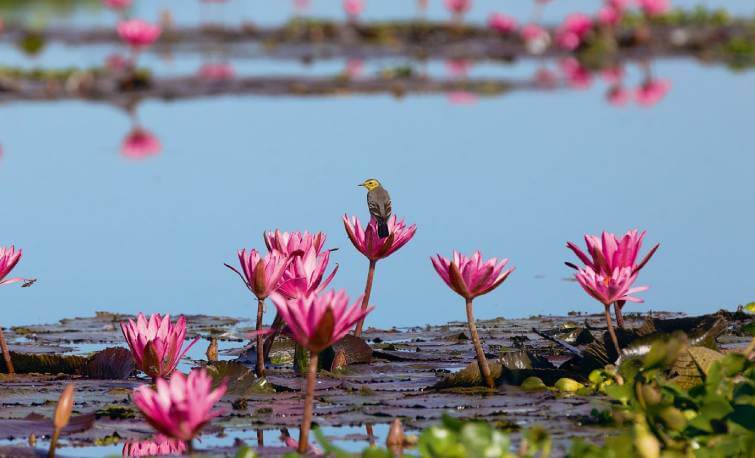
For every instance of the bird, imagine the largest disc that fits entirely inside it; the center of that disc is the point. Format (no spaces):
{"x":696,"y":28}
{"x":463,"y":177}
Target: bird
{"x":379,"y":204}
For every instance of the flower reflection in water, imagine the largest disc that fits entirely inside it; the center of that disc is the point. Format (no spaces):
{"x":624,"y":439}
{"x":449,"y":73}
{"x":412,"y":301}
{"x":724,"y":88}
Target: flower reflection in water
{"x":458,"y":69}
{"x":216,"y":71}
{"x":140,"y":144}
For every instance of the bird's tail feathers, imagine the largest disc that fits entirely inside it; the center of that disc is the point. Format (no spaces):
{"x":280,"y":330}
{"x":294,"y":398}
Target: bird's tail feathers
{"x":382,"y":228}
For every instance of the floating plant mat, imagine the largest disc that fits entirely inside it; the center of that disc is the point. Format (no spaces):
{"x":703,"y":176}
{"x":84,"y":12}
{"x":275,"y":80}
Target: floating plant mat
{"x":418,"y":374}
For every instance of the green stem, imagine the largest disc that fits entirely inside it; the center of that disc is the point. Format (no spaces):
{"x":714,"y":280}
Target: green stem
{"x":53,"y":443}
{"x":609,"y":324}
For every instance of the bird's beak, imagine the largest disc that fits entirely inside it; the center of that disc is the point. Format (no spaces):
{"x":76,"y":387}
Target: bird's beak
{"x":360,"y":184}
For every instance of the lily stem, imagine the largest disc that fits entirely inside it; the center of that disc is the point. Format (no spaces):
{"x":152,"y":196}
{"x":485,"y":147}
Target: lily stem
{"x":611,"y":332}
{"x":6,"y":353}
{"x":366,"y":297}
{"x":309,"y":399}
{"x":617,"y":306}
{"x":481,"y":360}
{"x":260,"y":340}
{"x":53,"y":443}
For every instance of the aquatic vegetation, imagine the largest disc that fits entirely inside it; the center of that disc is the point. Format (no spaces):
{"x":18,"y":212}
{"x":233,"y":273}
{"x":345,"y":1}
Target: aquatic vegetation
{"x":470,"y":277}
{"x":181,"y":406}
{"x":317,"y":322}
{"x":156,"y":343}
{"x":374,"y":248}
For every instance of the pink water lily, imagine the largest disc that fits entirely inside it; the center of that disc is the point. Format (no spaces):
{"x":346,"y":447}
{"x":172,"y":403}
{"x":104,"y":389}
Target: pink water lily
{"x":502,"y":23}
{"x":140,"y":143}
{"x":607,"y":252}
{"x":290,"y":242}
{"x":9,"y":257}
{"x":261,"y":274}
{"x":117,"y":4}
{"x":654,"y":7}
{"x":573,"y":31}
{"x":157,"y":446}
{"x":652,"y":91}
{"x":138,"y":33}
{"x":609,"y":288}
{"x":353,"y":8}
{"x":156,"y":343}
{"x":536,"y":38}
{"x":369,"y":243}
{"x":458,"y":7}
{"x":181,"y":406}
{"x":316,"y":322}
{"x":471,"y":276}
{"x":305,"y":273}
{"x":220,"y":71}
{"x":618,"y":96}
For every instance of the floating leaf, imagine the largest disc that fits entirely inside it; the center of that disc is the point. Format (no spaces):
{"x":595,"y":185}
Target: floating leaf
{"x":13,"y":428}
{"x":704,"y":357}
{"x":114,"y":363}
{"x":241,"y":380}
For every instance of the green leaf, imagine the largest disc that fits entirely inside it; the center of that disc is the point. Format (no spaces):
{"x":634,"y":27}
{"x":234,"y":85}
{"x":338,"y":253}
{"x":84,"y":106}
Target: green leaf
{"x":744,"y":415}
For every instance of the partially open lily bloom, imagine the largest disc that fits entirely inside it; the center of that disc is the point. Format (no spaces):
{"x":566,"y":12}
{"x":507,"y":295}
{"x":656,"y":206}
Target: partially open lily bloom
{"x":157,"y":446}
{"x":319,"y":320}
{"x":140,"y":143}
{"x":609,"y":288}
{"x":304,"y":275}
{"x":502,"y":23}
{"x":652,"y":91}
{"x":369,"y":243}
{"x":573,"y":31}
{"x":353,"y":8}
{"x":608,"y":252}
{"x":181,"y":406}
{"x":9,"y":257}
{"x":654,"y":7}
{"x":458,"y":7}
{"x":261,"y":274}
{"x":290,"y":242}
{"x":138,"y":33}
{"x":156,"y":343}
{"x":117,"y":4}
{"x":471,"y":276}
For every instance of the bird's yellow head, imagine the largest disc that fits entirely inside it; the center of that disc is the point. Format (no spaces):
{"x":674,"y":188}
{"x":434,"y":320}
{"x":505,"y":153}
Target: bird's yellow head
{"x":370,"y":184}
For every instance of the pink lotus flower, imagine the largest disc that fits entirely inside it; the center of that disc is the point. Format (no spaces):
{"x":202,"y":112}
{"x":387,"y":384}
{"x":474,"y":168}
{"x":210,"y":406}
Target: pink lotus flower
{"x":652,"y":91}
{"x":216,"y":72}
{"x":370,"y":244}
{"x":158,"y":446}
{"x":304,"y":275}
{"x":458,"y":7}
{"x":610,"y":288}
{"x":502,"y":23}
{"x":318,"y":321}
{"x":156,"y":343}
{"x":609,"y":16}
{"x":180,"y":407}
{"x":261,"y":274}
{"x":117,"y":4}
{"x":9,"y":257}
{"x":289,"y":243}
{"x":470,"y":276}
{"x":577,"y":76}
{"x":354,"y":68}
{"x":573,"y":31}
{"x":654,"y":7}
{"x":458,"y":68}
{"x":536,"y":39}
{"x":618,"y":96}
{"x":301,"y":6}
{"x":353,"y":8}
{"x":138,"y":33}
{"x":613,"y":75}
{"x":608,"y":252}
{"x":140,"y":144}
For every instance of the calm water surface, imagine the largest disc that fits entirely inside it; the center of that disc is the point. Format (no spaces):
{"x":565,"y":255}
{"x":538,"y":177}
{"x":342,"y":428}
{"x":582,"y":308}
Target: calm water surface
{"x":515,"y":176}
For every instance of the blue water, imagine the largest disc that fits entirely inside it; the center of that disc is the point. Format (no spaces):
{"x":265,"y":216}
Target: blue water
{"x":515,"y":176}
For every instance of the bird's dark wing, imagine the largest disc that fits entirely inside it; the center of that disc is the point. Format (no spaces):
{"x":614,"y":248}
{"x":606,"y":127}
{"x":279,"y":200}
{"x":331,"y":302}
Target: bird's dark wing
{"x":379,"y":203}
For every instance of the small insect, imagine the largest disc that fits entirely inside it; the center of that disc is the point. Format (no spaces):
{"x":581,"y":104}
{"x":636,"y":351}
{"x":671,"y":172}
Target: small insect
{"x":29,"y":282}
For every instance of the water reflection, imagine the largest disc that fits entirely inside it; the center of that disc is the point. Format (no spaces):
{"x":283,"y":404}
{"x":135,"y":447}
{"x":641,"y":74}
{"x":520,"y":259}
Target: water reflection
{"x":140,"y":143}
